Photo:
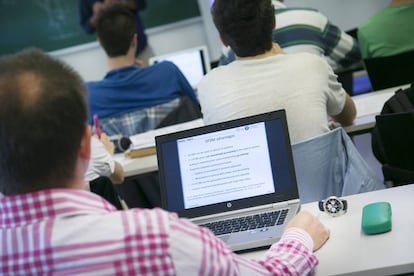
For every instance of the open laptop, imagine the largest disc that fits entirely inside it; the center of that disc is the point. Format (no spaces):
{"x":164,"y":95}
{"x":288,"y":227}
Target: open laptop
{"x":240,"y":172}
{"x":194,"y":63}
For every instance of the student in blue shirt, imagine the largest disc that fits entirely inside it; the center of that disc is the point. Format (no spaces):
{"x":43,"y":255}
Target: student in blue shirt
{"x":128,"y":87}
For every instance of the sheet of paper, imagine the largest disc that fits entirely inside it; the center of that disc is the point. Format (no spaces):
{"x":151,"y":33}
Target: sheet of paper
{"x":147,"y":139}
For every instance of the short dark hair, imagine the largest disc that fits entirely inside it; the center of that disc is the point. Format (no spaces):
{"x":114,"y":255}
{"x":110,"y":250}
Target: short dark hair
{"x":116,"y":27}
{"x":43,"y":116}
{"x":246,"y":25}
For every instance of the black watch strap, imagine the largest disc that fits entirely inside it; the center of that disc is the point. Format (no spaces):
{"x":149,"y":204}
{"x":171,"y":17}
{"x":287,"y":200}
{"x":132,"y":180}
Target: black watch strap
{"x":321,"y":208}
{"x":345,"y":203}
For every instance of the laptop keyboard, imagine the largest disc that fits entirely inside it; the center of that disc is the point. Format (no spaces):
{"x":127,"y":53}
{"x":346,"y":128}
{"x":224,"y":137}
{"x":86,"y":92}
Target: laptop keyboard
{"x":247,"y":223}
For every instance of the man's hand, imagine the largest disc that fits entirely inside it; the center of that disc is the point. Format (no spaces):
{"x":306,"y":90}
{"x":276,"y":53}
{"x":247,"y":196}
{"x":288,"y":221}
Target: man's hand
{"x":109,"y":146}
{"x":308,"y":222}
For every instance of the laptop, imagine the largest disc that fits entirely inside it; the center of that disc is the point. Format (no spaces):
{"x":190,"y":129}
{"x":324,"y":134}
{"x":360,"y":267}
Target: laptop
{"x":194,"y":63}
{"x":236,"y":178}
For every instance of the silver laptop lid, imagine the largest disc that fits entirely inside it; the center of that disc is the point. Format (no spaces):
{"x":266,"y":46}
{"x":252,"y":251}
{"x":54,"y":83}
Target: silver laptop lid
{"x":228,"y":166}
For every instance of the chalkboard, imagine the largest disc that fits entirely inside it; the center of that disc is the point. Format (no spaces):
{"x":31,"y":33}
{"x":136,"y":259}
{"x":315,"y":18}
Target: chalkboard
{"x":54,"y":24}
{"x":162,"y":12}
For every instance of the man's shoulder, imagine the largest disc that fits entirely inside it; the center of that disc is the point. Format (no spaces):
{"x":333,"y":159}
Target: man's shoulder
{"x":304,"y":57}
{"x":164,"y":65}
{"x":375,"y":22}
{"x":299,"y":10}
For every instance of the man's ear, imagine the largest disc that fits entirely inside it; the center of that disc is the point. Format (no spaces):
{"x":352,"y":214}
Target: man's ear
{"x":85,"y":146}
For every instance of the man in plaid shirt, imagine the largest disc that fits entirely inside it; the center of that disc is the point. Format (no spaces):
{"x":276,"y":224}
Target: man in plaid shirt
{"x":50,"y":225}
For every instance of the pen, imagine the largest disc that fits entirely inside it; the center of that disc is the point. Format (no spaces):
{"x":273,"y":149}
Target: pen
{"x":96,"y":126}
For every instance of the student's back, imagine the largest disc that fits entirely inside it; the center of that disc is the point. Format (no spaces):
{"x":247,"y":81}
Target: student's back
{"x":388,"y":32}
{"x":303,"y":84}
{"x":264,"y":79}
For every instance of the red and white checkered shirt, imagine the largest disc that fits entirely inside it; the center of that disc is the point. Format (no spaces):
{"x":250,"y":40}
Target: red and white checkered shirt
{"x":74,"y":232}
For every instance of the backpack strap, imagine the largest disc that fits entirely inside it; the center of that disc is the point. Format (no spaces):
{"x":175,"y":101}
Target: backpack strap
{"x":399,"y":102}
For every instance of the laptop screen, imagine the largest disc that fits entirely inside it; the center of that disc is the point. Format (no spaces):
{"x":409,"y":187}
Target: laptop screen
{"x":193,"y":63}
{"x":227,"y":166}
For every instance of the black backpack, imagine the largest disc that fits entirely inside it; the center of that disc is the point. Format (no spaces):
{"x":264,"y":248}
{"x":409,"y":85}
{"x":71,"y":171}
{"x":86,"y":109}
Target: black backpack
{"x":401,"y":101}
{"x":393,"y":137}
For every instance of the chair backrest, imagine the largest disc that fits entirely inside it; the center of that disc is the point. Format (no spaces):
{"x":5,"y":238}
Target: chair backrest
{"x":330,"y":164}
{"x":143,"y":191}
{"x":186,"y":111}
{"x":138,"y":121}
{"x":390,"y":71}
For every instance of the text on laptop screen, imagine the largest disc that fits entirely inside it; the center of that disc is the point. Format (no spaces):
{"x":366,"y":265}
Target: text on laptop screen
{"x":192,"y":63}
{"x":222,"y":166}
{"x":234,"y":162}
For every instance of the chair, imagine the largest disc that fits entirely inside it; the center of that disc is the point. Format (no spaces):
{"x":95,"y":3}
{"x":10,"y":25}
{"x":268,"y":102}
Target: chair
{"x":330,"y":164}
{"x":138,"y":121}
{"x":390,"y":71}
{"x":393,"y":146}
{"x":143,"y":191}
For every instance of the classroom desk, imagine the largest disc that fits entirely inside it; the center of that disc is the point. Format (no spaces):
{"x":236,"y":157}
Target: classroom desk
{"x":350,"y":251}
{"x":368,"y":106}
{"x":141,"y":165}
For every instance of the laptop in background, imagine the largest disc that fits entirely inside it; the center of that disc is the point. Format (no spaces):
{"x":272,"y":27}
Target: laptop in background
{"x":239,"y":172}
{"x":194,"y":63}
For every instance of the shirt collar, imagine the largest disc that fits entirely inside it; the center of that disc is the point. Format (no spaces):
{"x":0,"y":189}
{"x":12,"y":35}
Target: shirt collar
{"x":122,"y":70}
{"x":30,"y":208}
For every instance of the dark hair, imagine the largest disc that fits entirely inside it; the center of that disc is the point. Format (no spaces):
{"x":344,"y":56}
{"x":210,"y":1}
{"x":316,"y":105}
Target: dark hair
{"x":43,"y":117}
{"x":116,"y":27}
{"x":246,"y":25}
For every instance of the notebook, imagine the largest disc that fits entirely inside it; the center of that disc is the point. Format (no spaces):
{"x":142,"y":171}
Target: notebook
{"x":194,"y":63}
{"x":236,"y":178}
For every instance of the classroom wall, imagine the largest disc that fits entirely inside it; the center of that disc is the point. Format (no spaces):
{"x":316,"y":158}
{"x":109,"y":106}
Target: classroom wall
{"x":347,"y":14}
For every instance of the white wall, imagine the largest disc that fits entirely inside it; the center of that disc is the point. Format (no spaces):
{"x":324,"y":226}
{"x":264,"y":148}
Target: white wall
{"x":90,"y":61}
{"x":346,"y":14}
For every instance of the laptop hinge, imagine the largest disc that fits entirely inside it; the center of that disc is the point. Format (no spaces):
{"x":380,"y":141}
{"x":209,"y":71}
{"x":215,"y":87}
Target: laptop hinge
{"x":286,"y":204}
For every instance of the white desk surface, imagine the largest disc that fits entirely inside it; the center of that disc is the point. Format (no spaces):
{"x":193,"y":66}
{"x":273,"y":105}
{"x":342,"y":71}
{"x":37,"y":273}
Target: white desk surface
{"x":350,"y":251}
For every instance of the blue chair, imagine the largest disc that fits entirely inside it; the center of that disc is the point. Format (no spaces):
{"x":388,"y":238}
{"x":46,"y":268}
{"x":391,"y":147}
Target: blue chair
{"x":330,"y":164}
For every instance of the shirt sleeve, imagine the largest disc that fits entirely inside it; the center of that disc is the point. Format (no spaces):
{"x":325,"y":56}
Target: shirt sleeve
{"x":101,"y":162}
{"x":363,"y":43}
{"x":336,"y":94}
{"x":341,"y":47}
{"x":196,"y":251}
{"x":85,"y":12}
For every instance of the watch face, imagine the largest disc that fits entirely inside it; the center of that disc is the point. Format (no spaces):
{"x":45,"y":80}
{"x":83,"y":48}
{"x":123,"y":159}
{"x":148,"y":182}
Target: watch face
{"x":333,"y":206}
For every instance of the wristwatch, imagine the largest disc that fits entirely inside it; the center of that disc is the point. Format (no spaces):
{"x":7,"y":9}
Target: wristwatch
{"x":334,"y":206}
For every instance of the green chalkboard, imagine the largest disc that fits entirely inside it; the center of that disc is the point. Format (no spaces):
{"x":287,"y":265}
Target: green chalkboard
{"x":54,"y":24}
{"x":162,"y":12}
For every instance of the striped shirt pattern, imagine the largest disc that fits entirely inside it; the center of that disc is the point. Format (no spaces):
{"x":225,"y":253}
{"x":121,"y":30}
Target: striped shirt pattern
{"x":307,"y":30}
{"x":74,"y":232}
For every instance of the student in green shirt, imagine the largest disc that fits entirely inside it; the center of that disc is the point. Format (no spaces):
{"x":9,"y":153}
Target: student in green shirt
{"x":388,"y":32}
